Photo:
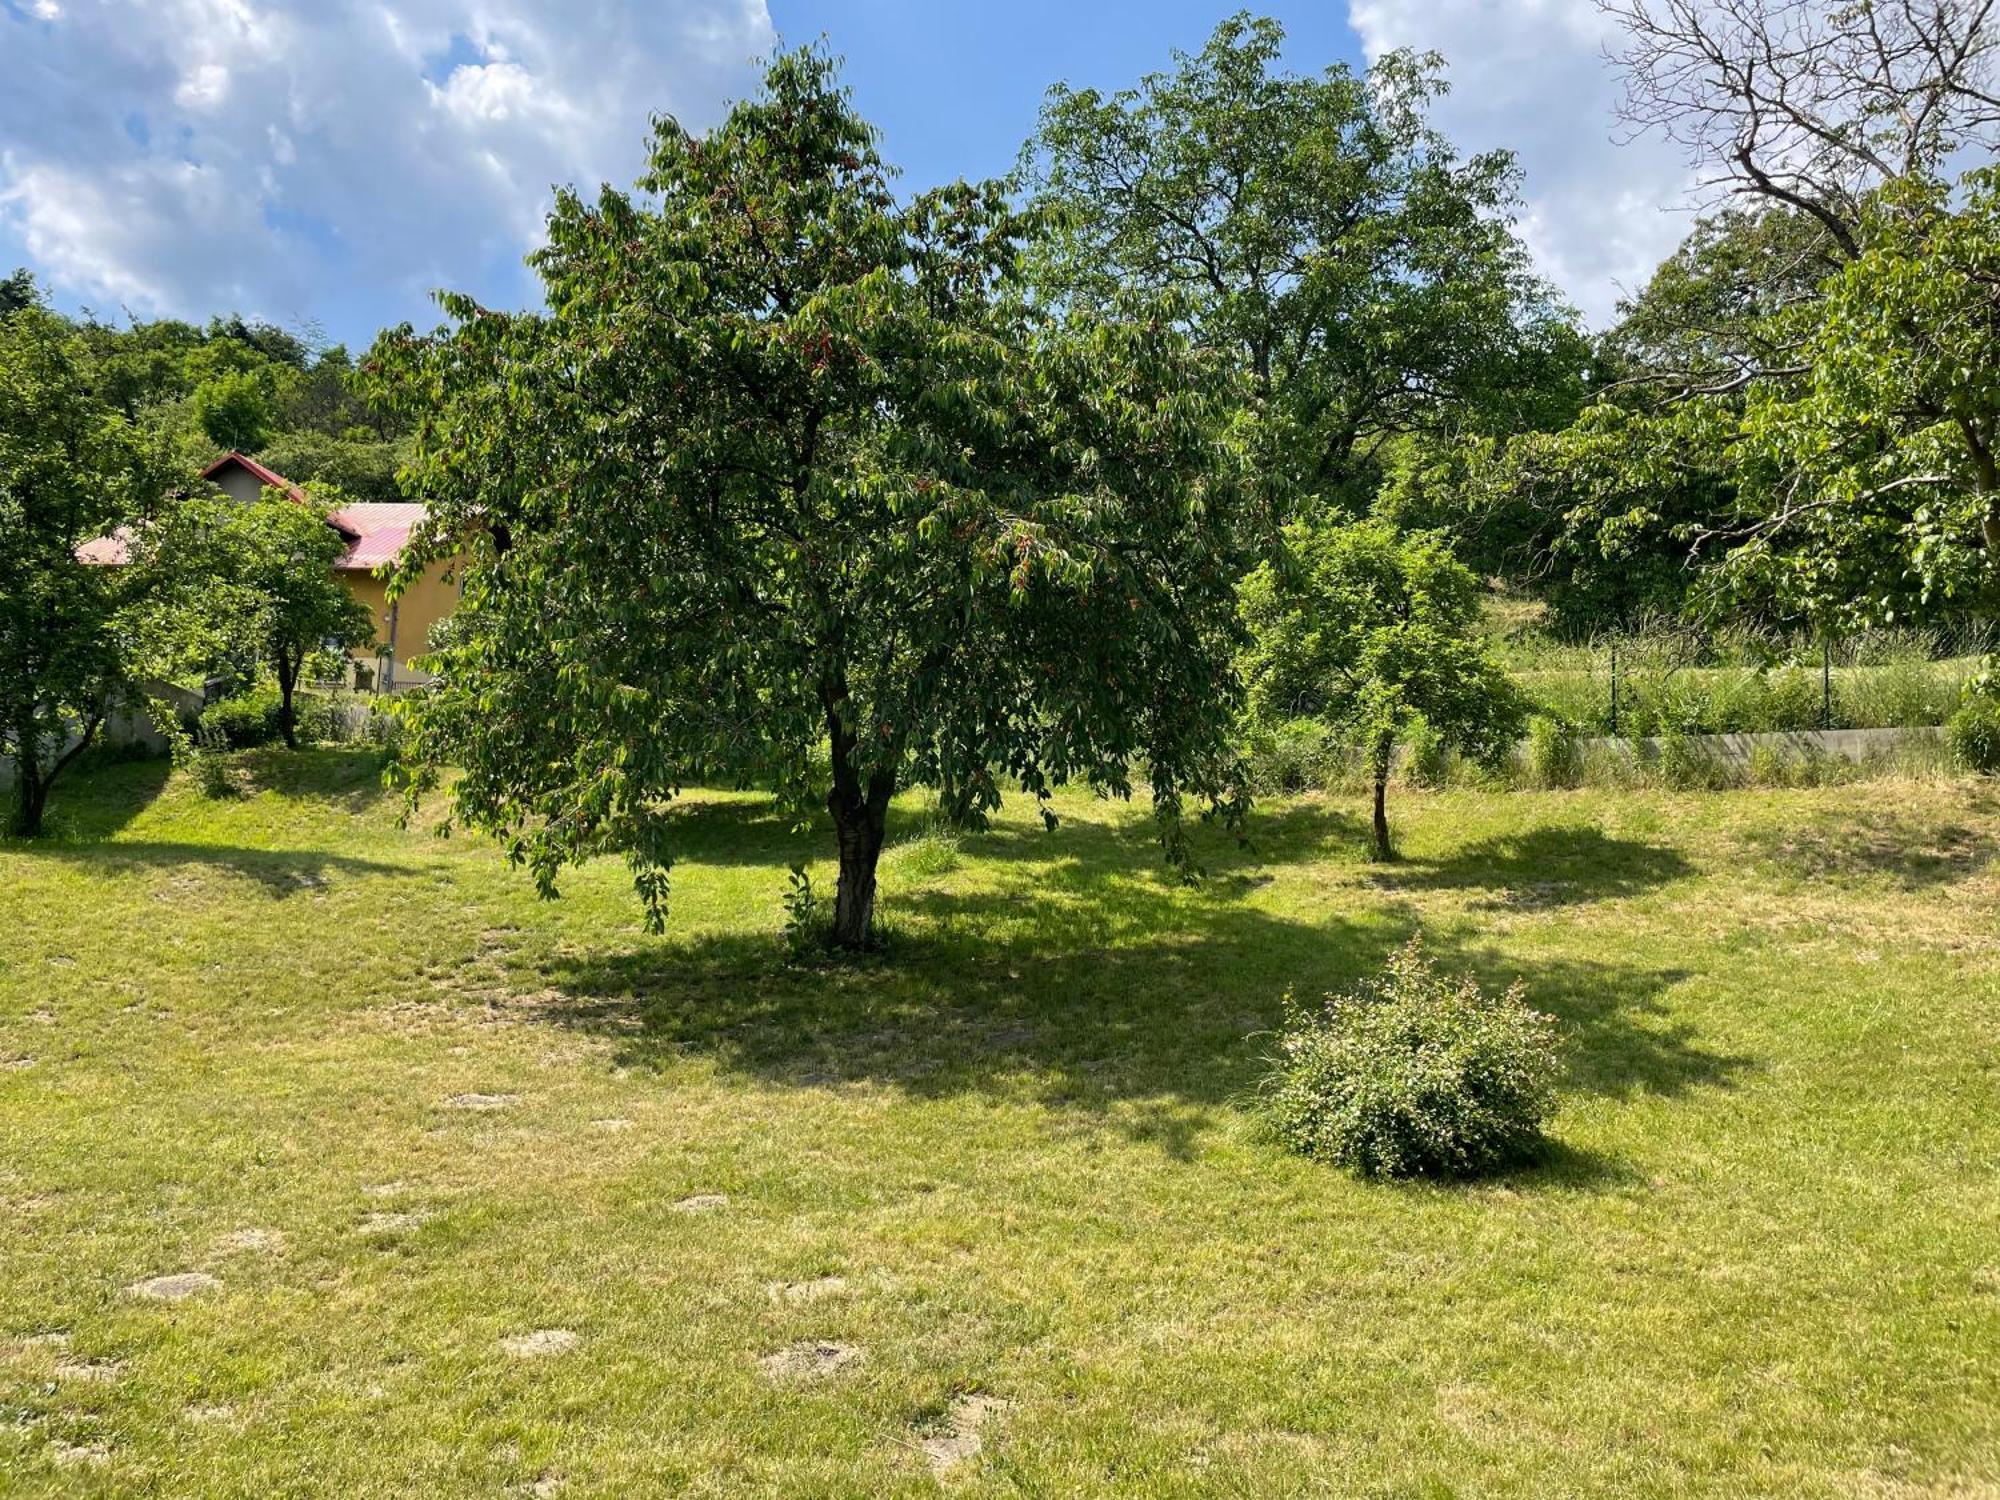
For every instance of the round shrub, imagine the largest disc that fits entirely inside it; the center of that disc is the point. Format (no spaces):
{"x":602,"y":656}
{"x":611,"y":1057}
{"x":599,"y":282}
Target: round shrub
{"x":1414,"y":1073}
{"x":248,"y":719}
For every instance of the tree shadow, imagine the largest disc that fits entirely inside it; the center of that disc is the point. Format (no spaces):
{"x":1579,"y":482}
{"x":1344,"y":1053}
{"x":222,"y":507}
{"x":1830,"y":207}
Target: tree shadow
{"x":1621,"y":1037}
{"x":280,"y":872}
{"x":1089,"y":981}
{"x":749,"y":829}
{"x":1543,"y":867}
{"x":1906,"y":851}
{"x":102,"y":793}
{"x":348,"y":777}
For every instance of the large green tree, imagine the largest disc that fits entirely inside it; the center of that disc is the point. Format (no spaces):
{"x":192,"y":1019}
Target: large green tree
{"x":73,"y":471}
{"x":789,"y":471}
{"x":1324,"y":236}
{"x":1869,"y":478}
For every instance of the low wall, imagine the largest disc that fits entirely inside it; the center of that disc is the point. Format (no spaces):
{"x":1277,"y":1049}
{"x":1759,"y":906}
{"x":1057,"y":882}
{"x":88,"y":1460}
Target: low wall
{"x":129,"y":725}
{"x":1736,"y":749}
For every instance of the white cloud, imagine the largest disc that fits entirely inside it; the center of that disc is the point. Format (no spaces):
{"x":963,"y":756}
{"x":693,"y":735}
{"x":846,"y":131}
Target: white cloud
{"x":1530,"y":75}
{"x":332,"y":158}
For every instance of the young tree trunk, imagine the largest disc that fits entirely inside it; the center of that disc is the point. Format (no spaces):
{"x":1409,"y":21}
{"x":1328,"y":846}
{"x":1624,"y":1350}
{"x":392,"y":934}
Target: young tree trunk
{"x":858,"y":824}
{"x":1379,"y":762}
{"x":288,"y":679}
{"x":24,"y":819}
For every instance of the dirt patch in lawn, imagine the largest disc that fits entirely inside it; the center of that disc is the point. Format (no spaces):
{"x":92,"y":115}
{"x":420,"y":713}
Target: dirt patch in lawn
{"x":251,"y":1242}
{"x":542,"y":1343}
{"x":481,"y":1103}
{"x":177,"y":1287}
{"x":809,"y":1361}
{"x":807,"y":1291}
{"x":90,"y":1371}
{"x":958,"y":1438}
{"x":702,"y":1203}
{"x":389,"y":1223}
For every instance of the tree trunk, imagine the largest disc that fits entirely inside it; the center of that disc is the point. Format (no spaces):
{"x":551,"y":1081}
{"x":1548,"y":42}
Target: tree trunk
{"x":31,"y":798}
{"x":31,"y":793}
{"x":858,"y":824}
{"x":1383,"y":850}
{"x":1380,"y":759}
{"x":288,"y":679}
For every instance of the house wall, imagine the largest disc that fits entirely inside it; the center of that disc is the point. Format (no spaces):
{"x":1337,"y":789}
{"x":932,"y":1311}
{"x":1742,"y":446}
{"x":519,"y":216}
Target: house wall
{"x":239,"y":484}
{"x":420,"y":606}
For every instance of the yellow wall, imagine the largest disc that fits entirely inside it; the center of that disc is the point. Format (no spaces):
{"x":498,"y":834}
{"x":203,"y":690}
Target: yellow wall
{"x":420,"y":606}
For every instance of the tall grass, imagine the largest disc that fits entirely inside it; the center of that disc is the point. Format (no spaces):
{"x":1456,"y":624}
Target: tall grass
{"x":1750,"y":700}
{"x":1744,"y":681}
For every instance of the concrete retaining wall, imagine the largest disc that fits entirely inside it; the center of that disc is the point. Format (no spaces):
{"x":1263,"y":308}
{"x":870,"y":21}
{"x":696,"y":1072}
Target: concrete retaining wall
{"x":1736,"y":749}
{"x":129,"y":725}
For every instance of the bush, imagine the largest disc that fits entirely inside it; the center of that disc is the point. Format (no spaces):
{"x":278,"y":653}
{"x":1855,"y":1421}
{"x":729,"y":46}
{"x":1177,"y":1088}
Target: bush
{"x":1295,"y":756}
{"x":933,"y":852}
{"x":1428,"y":763}
{"x":248,"y":719}
{"x":1554,"y":757}
{"x":1973,"y":733}
{"x":1414,"y":1074}
{"x":251,"y":718}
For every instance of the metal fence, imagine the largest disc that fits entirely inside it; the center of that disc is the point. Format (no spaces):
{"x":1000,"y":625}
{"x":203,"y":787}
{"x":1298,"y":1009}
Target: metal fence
{"x":1703,"y":682}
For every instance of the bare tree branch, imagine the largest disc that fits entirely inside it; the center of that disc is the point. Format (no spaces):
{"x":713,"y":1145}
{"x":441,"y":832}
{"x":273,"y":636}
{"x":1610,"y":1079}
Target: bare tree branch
{"x":1811,"y":103}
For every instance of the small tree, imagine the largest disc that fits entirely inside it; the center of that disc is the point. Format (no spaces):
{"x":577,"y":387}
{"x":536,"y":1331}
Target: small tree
{"x":788,"y":473}
{"x":72,"y":472}
{"x":1372,"y":631}
{"x":280,"y":555}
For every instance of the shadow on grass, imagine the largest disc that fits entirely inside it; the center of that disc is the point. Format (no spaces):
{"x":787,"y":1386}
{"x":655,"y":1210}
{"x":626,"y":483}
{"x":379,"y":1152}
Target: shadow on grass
{"x":1089,"y":980}
{"x":1908,"y":852}
{"x":1543,"y":867}
{"x":281,"y":872}
{"x":103,"y":792}
{"x":349,"y":777}
{"x":750,"y":830}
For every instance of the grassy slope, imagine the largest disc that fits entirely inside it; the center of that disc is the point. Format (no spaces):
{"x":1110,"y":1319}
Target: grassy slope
{"x":1765,"y":1259}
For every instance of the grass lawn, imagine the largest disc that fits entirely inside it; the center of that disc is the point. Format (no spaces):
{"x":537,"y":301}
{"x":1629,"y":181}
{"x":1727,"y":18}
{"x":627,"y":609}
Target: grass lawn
{"x":1014,"y":1158}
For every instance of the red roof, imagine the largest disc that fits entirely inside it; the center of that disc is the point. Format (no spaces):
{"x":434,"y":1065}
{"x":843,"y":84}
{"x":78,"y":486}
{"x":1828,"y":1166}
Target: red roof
{"x":375,"y":533}
{"x":112,"y":551}
{"x":250,"y":466}
{"x":380,"y":532}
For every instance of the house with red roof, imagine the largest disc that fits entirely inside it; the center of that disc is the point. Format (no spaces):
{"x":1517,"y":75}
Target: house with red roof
{"x":376,"y":535}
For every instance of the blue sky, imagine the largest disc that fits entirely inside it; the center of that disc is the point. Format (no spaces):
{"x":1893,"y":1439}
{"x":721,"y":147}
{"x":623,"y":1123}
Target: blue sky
{"x":955,"y":87}
{"x":331,"y":162}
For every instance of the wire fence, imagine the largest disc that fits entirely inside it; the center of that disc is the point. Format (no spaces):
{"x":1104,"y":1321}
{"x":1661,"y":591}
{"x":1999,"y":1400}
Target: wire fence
{"x":1684,"y":681}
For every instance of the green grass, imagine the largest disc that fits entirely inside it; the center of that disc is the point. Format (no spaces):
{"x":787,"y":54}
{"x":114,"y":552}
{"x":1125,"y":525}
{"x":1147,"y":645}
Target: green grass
{"x":1762,"y":1258}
